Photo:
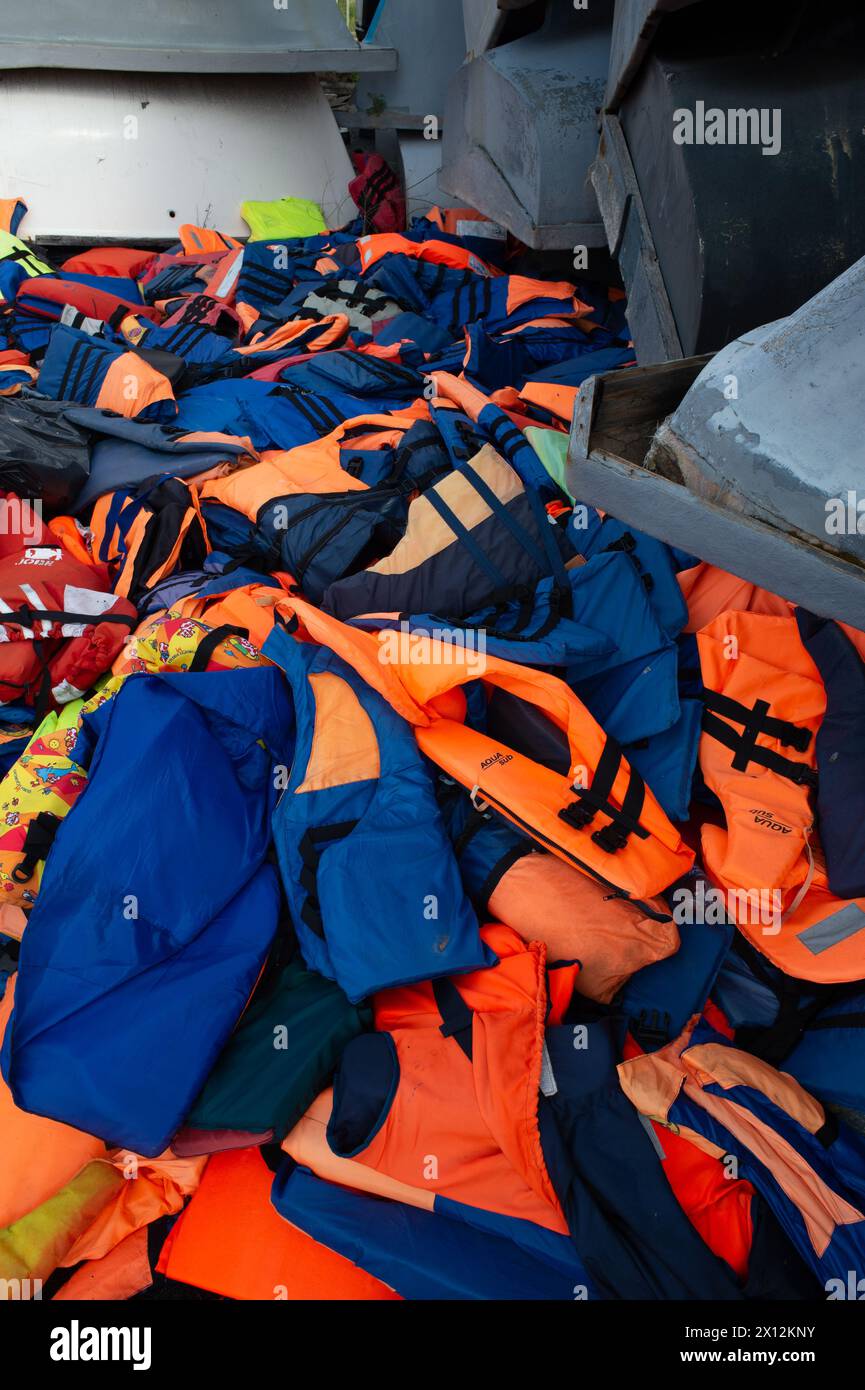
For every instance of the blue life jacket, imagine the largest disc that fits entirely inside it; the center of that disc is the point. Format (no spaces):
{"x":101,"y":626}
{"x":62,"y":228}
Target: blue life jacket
{"x":76,"y":364}
{"x":659,"y":1000}
{"x":633,"y":692}
{"x":125,"y":452}
{"x":840,"y":749}
{"x":370,"y":876}
{"x":152,"y":925}
{"x":319,"y":539}
{"x":830,"y":1238}
{"x":499,"y":543}
{"x":269,"y":268}
{"x":452,"y":1252}
{"x":654,"y":561}
{"x":426,"y":336}
{"x":667,"y":761}
{"x":814,"y":1032}
{"x":495,"y":362}
{"x":532,"y":630}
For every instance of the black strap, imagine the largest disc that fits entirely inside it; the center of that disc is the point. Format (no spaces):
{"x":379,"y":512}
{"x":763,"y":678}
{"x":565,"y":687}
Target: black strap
{"x":500,"y":510}
{"x":591,"y":800}
{"x":37,"y":843}
{"x":456,"y":1014}
{"x":208,"y":644}
{"x":851,"y":1020}
{"x":310,"y":850}
{"x":757,"y":720}
{"x":25,"y":617}
{"x":436,"y":282}
{"x":747,"y":750}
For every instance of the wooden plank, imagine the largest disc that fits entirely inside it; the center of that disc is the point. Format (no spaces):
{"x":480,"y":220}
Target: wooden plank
{"x":620,"y":411}
{"x":581,"y":425}
{"x":826,"y":584}
{"x":638,"y":394}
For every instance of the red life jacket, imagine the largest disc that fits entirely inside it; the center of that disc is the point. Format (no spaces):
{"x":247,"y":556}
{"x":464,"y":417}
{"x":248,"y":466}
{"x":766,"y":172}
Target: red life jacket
{"x":377,"y":193}
{"x":126,"y":261}
{"x":60,"y":625}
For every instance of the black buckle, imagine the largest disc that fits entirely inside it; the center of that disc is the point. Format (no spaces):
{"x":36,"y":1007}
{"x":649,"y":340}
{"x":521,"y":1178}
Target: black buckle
{"x":651,"y":1029}
{"x":611,"y":838}
{"x":579,"y":814}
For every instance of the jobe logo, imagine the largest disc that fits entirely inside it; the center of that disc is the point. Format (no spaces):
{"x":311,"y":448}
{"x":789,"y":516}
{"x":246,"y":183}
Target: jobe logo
{"x":40,"y":555}
{"x":500,"y":758}
{"x":768,"y":821}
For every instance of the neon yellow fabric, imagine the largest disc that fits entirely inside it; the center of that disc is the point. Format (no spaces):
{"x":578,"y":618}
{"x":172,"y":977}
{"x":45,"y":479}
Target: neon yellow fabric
{"x":282,"y":218}
{"x":551,"y":447}
{"x":25,"y":257}
{"x":33,"y":1247}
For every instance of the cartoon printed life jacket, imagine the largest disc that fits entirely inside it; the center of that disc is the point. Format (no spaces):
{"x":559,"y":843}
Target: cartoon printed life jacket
{"x":36,"y":793}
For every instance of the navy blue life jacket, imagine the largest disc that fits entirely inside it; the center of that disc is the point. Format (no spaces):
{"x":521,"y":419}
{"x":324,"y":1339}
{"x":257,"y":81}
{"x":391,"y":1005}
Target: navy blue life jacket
{"x":840,"y":748}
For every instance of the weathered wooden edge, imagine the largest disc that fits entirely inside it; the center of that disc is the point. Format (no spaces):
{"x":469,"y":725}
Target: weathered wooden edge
{"x":827,"y":585}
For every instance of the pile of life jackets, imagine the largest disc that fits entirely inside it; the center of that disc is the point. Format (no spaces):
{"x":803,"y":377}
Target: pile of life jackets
{"x":414,"y":883}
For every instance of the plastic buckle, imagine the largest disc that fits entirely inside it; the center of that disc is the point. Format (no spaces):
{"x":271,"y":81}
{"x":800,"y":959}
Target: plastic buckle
{"x":579,"y":814}
{"x":611,"y":838}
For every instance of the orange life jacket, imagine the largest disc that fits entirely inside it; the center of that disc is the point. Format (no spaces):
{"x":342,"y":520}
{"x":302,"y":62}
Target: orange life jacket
{"x":378,"y":244}
{"x":314,"y":467}
{"x":551,"y":396}
{"x":612,"y":829}
{"x":423,"y":685}
{"x":63,"y":1198}
{"x":332,"y":331}
{"x":194,"y":239}
{"x":447,"y":218}
{"x":251,"y":607}
{"x":471,"y":1107}
{"x":544,"y":899}
{"x":709,"y":591}
{"x":764,"y":702}
{"x":231,"y":1241}
{"x":12,"y":212}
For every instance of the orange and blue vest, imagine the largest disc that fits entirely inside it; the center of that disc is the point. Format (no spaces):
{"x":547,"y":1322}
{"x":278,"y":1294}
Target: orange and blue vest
{"x":475,"y":1089}
{"x":807,"y":1164}
{"x":371,"y":879}
{"x":91,"y":371}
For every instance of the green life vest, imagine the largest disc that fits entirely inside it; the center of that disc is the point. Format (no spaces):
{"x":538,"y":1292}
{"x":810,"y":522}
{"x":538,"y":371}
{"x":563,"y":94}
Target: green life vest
{"x":282,"y":1054}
